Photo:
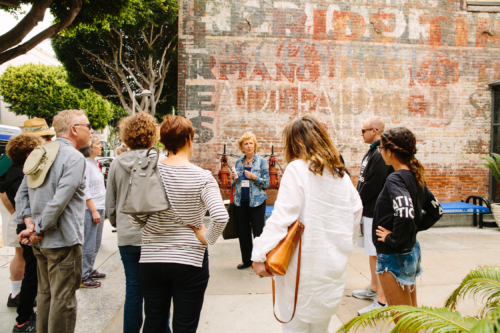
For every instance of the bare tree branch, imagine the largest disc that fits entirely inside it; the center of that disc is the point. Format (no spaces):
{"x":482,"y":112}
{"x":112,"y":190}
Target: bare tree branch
{"x":24,"y":27}
{"x":76,"y":6}
{"x":12,"y":3}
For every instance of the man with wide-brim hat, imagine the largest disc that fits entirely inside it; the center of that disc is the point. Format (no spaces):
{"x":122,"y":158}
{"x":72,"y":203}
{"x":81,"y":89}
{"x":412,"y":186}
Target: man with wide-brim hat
{"x":51,"y":201}
{"x":39,"y":126}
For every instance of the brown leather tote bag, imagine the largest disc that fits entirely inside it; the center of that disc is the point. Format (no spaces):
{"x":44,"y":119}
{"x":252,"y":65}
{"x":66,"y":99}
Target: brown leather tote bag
{"x":278,"y":259}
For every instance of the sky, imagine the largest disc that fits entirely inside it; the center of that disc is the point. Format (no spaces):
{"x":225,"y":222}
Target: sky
{"x":8,"y":21}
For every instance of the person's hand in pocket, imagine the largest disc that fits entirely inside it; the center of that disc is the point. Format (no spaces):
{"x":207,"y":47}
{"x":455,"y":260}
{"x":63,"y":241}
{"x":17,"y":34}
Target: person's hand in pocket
{"x":200,"y":233}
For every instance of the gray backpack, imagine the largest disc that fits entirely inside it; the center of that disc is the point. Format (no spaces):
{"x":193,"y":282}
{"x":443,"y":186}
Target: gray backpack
{"x":146,"y":194}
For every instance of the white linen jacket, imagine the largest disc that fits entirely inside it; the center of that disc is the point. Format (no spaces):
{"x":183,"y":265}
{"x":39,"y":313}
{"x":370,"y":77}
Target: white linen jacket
{"x":330,"y":209}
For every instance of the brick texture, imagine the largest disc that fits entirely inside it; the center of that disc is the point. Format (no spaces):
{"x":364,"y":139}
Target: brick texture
{"x":252,"y":65}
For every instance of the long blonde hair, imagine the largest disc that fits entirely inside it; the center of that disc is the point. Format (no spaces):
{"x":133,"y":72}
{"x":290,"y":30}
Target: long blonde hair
{"x":306,"y":139}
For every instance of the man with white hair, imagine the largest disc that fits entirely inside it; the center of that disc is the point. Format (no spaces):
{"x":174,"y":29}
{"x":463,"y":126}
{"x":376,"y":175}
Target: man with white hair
{"x":371,"y":181}
{"x":52,"y":205}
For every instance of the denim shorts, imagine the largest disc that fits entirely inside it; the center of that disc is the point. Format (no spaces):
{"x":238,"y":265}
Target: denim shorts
{"x":404,"y":266}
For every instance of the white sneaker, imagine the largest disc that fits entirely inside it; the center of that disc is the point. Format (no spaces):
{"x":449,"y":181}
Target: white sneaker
{"x":373,"y":306}
{"x":366,"y":293}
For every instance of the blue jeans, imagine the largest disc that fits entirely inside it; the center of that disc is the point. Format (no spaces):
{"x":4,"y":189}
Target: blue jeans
{"x":185,"y":284}
{"x":91,"y":242}
{"x":404,"y":266}
{"x":132,"y":314}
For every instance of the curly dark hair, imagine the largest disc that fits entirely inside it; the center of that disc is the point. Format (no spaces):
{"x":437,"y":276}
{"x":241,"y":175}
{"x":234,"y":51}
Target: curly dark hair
{"x":402,"y":142}
{"x":21,"y":145}
{"x":139,"y":131}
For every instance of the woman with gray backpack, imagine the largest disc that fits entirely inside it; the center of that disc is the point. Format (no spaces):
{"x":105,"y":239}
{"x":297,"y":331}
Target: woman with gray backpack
{"x":174,"y":256}
{"x":139,"y":132}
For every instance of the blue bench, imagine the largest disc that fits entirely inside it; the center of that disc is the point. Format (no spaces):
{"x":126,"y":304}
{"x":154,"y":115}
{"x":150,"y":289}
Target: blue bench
{"x":476,"y":208}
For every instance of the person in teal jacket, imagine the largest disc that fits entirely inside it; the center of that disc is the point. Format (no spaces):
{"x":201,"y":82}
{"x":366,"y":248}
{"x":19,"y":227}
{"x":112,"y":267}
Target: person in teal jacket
{"x":251,"y":179}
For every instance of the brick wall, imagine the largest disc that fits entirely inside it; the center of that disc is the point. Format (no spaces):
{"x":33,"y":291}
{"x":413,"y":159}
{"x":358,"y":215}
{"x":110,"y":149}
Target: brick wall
{"x":424,"y":64}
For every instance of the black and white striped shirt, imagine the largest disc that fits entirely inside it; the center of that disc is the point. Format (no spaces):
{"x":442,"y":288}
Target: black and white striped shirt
{"x":167,"y":237}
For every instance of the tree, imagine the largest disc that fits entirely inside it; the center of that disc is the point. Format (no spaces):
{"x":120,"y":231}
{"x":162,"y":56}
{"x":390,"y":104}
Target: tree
{"x":68,"y":14}
{"x":42,"y":90}
{"x":483,"y":282}
{"x":137,"y":52}
{"x":114,"y":129}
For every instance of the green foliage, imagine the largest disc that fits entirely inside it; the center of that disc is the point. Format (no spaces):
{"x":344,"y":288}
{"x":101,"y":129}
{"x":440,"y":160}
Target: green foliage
{"x":99,"y":110}
{"x":41,"y":91}
{"x":424,"y":319}
{"x":493,"y":164}
{"x":118,"y":112}
{"x":484,"y":282}
{"x":135,"y":25}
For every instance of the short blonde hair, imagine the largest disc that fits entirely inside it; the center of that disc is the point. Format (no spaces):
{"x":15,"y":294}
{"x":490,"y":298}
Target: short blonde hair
{"x":64,"y":119}
{"x":245,"y":137}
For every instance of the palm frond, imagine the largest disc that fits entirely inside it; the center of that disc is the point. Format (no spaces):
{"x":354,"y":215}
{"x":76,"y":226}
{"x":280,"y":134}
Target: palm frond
{"x":490,"y":324}
{"x":484,"y":283}
{"x":413,"y":319}
{"x":492,"y":164}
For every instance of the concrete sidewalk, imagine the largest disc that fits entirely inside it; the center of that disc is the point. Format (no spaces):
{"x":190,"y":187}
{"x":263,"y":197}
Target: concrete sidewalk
{"x":238,"y":301}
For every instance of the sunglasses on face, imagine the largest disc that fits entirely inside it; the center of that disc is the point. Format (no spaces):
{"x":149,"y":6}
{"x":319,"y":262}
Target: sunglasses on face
{"x":86,"y":125}
{"x":363,"y":130}
{"x":379,"y":149}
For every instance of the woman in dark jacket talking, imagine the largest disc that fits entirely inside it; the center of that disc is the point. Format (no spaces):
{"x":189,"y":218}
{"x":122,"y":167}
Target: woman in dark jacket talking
{"x":404,"y":207}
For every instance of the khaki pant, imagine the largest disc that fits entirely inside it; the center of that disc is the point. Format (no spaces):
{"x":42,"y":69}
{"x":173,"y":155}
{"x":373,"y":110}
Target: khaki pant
{"x":59,"y":276}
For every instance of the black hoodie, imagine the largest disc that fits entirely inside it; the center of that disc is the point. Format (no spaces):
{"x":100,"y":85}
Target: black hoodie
{"x":11,"y":181}
{"x":404,"y":208}
{"x":372,"y":178}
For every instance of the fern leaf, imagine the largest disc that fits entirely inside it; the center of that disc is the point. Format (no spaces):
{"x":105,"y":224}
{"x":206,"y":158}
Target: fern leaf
{"x":484,"y":283}
{"x":413,"y":319}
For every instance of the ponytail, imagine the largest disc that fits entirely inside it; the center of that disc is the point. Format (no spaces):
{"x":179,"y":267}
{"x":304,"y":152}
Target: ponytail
{"x":418,"y":170}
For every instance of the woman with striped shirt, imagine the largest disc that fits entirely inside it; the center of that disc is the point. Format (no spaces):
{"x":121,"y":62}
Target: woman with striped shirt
{"x":174,"y":256}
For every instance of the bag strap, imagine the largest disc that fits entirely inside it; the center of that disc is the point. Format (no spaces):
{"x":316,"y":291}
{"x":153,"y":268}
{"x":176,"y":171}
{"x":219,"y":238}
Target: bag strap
{"x":296,"y":288}
{"x":157,"y":155}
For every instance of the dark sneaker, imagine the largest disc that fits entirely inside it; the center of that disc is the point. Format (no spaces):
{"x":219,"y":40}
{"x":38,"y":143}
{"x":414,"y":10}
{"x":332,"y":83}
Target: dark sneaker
{"x":96,"y":275}
{"x":33,"y":318}
{"x":13,"y":302}
{"x":28,"y":326}
{"x":90,"y":283}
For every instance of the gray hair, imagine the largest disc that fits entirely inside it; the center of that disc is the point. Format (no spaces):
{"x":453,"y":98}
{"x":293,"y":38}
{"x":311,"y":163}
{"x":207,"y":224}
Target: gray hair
{"x":63,"y":121}
{"x":86,"y":151}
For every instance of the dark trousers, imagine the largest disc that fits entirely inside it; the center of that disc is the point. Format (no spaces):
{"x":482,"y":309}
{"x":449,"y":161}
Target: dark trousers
{"x":132,"y":313}
{"x":59,"y":277}
{"x":29,"y":284}
{"x":250,"y":219}
{"x":185,"y":284}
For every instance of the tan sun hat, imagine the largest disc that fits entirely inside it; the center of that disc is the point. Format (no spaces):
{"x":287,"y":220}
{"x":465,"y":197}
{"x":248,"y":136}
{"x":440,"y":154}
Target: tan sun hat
{"x":37,"y":126}
{"x":39,"y":162}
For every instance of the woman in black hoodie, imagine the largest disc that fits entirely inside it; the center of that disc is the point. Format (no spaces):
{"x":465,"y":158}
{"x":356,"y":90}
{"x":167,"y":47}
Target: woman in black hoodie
{"x":404,"y":207}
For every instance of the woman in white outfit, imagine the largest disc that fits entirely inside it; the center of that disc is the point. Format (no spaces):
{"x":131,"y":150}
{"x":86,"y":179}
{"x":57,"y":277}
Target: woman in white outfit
{"x":316,"y":190}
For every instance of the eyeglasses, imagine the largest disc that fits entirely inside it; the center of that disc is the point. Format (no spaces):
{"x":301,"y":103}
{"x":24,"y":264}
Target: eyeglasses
{"x":379,"y":149}
{"x":363,"y":130}
{"x":86,"y":125}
